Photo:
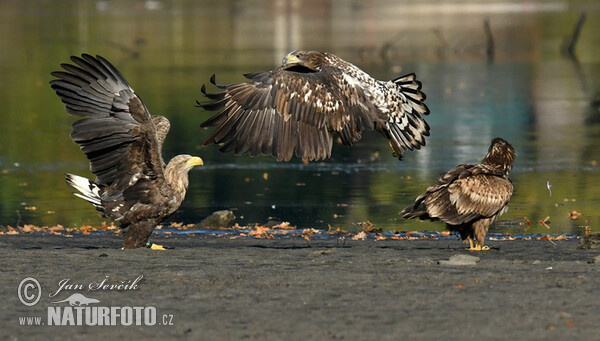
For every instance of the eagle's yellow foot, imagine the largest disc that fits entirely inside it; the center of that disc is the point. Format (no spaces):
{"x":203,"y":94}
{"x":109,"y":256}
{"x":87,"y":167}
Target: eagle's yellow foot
{"x":153,"y":246}
{"x":476,"y":246}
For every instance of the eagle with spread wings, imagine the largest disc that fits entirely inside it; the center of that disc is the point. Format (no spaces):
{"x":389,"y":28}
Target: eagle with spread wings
{"x":298,"y":107}
{"x":469,"y":198}
{"x":123,"y":143}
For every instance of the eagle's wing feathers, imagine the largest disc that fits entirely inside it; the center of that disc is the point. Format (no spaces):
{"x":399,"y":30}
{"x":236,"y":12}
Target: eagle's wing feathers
{"x":483,"y":194}
{"x":118,"y":134}
{"x":281,"y":112}
{"x":465,"y":193}
{"x":406,"y":126}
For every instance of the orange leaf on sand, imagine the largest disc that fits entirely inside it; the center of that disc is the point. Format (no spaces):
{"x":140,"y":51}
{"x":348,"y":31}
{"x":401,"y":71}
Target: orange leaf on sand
{"x":261,"y":232}
{"x":570,"y":324}
{"x":378,"y":237}
{"x":445,"y":233}
{"x":27,"y":228}
{"x":105,"y":226}
{"x":56,"y":228}
{"x":285,"y":225}
{"x":459,"y":286}
{"x":362,"y":235}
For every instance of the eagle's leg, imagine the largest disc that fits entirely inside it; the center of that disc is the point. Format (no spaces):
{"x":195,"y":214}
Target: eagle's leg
{"x":137,"y":235}
{"x":480,"y":228}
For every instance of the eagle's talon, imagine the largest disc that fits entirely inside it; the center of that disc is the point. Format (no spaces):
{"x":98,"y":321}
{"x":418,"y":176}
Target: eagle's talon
{"x":156,"y":247}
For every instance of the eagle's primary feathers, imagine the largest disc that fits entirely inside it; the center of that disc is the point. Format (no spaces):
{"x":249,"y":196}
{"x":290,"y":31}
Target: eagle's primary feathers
{"x":469,"y":198}
{"x":298,"y":107}
{"x":123,"y":142}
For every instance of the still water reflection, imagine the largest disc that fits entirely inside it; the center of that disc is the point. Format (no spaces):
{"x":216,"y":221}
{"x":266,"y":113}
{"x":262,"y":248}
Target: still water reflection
{"x":524,"y":90}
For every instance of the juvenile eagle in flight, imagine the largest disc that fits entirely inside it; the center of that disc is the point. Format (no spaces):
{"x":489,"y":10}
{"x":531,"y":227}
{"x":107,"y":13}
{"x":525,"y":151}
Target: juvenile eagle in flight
{"x":123,"y":142}
{"x":469,"y":198}
{"x":300,"y":105}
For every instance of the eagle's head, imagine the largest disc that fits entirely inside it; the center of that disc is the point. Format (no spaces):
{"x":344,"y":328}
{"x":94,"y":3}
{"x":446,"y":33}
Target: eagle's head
{"x":500,"y":155}
{"x":304,"y":61}
{"x":176,"y":172}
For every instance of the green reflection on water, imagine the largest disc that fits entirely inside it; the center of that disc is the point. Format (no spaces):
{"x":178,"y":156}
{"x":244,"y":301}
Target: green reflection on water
{"x":531,"y":95}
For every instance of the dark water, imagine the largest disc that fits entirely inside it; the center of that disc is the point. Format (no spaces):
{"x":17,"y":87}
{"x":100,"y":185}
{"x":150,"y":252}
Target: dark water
{"x":526,"y":91}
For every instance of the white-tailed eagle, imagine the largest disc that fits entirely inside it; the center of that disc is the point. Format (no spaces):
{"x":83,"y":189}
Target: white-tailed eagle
{"x":123,"y":143}
{"x":298,"y":107}
{"x":469,"y":198}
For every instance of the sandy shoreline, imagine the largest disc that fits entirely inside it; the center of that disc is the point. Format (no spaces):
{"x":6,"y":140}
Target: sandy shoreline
{"x":218,"y":288}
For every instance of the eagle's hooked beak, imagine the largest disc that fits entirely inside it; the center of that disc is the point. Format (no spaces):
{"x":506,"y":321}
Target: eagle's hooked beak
{"x":290,"y":59}
{"x":194,"y":161}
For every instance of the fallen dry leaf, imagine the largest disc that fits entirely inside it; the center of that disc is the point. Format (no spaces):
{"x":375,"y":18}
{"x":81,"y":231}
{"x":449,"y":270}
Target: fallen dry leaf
{"x":545,"y":222}
{"x":362,"y":235}
{"x":366,"y":224}
{"x":574,"y":215}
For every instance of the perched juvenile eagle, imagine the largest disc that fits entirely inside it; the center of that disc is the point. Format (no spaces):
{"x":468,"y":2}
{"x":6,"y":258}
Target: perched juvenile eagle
{"x":123,"y":142}
{"x":298,"y":106}
{"x":469,"y":198}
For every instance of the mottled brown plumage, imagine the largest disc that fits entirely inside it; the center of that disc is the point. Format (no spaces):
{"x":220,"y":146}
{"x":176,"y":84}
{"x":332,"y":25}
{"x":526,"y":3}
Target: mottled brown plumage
{"x":298,"y":107}
{"x":469,"y":198}
{"x":123,"y":142}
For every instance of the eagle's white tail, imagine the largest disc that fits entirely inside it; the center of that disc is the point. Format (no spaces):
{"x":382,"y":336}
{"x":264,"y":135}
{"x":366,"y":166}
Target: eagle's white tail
{"x":89,"y":190}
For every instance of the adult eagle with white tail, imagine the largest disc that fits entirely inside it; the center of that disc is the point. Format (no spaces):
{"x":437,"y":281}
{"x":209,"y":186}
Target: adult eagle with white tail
{"x":123,"y":142}
{"x":469,"y":198}
{"x":298,"y":107}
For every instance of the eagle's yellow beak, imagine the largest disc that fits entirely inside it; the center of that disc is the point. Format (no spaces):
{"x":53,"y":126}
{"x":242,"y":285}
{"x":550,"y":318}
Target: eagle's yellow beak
{"x":290,"y":59}
{"x":194,"y":161}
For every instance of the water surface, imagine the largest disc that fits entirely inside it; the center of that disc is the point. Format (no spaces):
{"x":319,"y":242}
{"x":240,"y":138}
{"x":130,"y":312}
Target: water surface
{"x":526,"y":91}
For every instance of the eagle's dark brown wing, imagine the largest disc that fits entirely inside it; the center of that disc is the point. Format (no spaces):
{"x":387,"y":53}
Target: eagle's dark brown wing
{"x":284,"y":111}
{"x":118,"y":134}
{"x":463,"y":194}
